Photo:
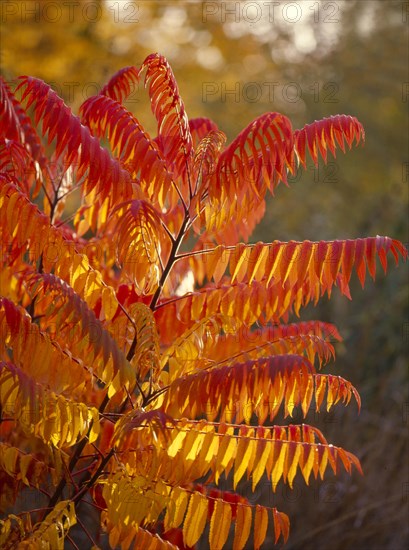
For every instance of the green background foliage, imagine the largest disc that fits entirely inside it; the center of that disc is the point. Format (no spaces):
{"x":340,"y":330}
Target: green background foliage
{"x":307,"y":60}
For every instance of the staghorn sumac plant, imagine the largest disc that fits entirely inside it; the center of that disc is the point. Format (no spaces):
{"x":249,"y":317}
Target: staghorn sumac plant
{"x":146,"y":346}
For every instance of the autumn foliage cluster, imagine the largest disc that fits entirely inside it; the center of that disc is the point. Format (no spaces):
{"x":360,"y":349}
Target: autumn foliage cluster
{"x":146,"y":346}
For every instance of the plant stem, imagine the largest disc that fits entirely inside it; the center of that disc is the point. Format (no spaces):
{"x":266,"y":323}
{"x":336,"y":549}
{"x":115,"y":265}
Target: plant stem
{"x":172,"y":258}
{"x":91,"y":481}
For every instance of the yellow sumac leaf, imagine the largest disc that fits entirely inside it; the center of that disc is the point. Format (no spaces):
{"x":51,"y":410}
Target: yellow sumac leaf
{"x":263,"y":451}
{"x":65,"y":420}
{"x":260,"y":252}
{"x":48,"y":428}
{"x":260,"y":526}
{"x":243,"y":526}
{"x":114,"y":535}
{"x":238,"y":260}
{"x":53,"y":528}
{"x":195,"y":519}
{"x":294,"y":463}
{"x":108,"y":375}
{"x":109,"y":303}
{"x":192,"y":445}
{"x":176,"y":444}
{"x":82,"y":227}
{"x":332,"y":391}
{"x":96,"y":426}
{"x":92,"y":290}
{"x":280,"y":465}
{"x":127,"y":539}
{"x":77,"y":425}
{"x":307,"y":395}
{"x":292,"y":395}
{"x":227,"y":452}
{"x":211,"y":444}
{"x":176,"y":508}
{"x":308,"y":462}
{"x":244,"y":453}
{"x":320,"y":384}
{"x":25,"y":461}
{"x":323,"y":461}
{"x":219,"y":524}
{"x":9,"y":459}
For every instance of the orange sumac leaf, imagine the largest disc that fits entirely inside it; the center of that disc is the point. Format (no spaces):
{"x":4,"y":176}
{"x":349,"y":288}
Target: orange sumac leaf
{"x":220,"y":524}
{"x":260,"y":526}
{"x":281,"y":525}
{"x":243,"y":526}
{"x":277,"y":377}
{"x":195,"y":519}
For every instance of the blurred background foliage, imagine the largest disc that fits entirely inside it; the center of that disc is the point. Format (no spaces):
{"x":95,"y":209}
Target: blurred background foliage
{"x":234,"y":61}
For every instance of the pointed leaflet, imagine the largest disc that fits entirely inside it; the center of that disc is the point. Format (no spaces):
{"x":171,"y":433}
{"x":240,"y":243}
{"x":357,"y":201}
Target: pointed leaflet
{"x":50,"y":533}
{"x":121,"y":84}
{"x":16,"y":125}
{"x":134,"y":148}
{"x":56,"y":420}
{"x":260,"y":155}
{"x":255,"y":161}
{"x":146,"y":354}
{"x":17,"y":163}
{"x":260,"y":526}
{"x":204,"y":168}
{"x":200,"y":127}
{"x":281,"y":525}
{"x":209,"y":348}
{"x":216,"y":451}
{"x":175,"y":140}
{"x":33,"y":231}
{"x":314,"y":269}
{"x":89,"y":339}
{"x":139,"y":238}
{"x":254,"y":381}
{"x":246,"y":454}
{"x":176,"y":509}
{"x":75,"y":143}
{"x":243,"y":526}
{"x":23,"y":466}
{"x":326,"y":134}
{"x":35,"y":351}
{"x":219,"y":524}
{"x":195,"y":519}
